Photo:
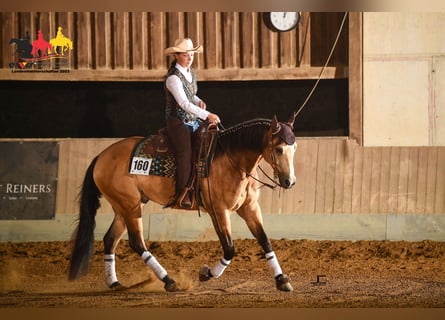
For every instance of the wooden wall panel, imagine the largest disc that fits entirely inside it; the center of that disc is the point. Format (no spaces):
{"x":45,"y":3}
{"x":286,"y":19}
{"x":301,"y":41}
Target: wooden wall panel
{"x":212,"y":39}
{"x":268,"y":56}
{"x":100,"y":40}
{"x":156,"y":58}
{"x":304,"y":41}
{"x":333,"y":176}
{"x":402,"y":191}
{"x":431,"y":179}
{"x":421,"y":180}
{"x":300,"y":173}
{"x":339,"y":176}
{"x":383,"y":193}
{"x":248,"y":40}
{"x":375,"y":179}
{"x":288,"y":49}
{"x":339,"y":169}
{"x":138,"y":46}
{"x":121,"y":40}
{"x":194,"y":30}
{"x":82,"y":41}
{"x":412,"y":179}
{"x":129,"y":45}
{"x":439,"y":202}
{"x":365,"y":199}
{"x":8,"y":31}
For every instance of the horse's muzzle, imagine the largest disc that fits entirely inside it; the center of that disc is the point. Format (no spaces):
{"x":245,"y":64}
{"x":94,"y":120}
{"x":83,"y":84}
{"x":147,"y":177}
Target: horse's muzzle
{"x":287,"y":183}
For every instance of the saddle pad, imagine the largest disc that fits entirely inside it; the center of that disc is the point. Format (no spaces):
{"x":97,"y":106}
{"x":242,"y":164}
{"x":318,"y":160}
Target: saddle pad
{"x":155,"y":148}
{"x":152,"y":156}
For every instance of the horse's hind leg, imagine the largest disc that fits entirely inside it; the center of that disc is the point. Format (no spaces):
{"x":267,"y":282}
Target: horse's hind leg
{"x":111,"y":240}
{"x":137,"y":243}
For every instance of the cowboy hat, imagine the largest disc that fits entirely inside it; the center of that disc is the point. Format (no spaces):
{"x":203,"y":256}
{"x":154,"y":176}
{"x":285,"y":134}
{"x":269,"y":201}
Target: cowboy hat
{"x":183,"y":45}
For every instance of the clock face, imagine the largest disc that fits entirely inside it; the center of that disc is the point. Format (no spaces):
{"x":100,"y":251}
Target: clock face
{"x":284,"y":21}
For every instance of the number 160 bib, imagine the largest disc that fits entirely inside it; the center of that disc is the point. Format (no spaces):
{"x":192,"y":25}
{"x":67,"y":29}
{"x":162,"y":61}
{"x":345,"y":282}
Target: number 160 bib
{"x":140,"y":166}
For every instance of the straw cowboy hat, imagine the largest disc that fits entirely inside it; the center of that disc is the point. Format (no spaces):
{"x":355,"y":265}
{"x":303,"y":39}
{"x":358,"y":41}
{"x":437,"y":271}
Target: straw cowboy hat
{"x":183,"y":45}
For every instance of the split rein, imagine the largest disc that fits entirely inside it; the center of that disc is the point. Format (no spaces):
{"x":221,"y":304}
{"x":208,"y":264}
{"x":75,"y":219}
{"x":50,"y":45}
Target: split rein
{"x":248,"y":174}
{"x":264,"y":184}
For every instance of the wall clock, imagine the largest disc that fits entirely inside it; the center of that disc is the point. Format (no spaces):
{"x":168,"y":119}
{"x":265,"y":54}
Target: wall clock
{"x":282,"y":21}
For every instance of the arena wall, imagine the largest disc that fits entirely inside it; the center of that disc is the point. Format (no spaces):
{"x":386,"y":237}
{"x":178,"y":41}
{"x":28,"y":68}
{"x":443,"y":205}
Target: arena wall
{"x":343,"y":191}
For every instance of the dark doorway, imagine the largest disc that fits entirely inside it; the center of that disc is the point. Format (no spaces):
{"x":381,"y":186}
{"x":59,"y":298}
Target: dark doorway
{"x":44,"y":109}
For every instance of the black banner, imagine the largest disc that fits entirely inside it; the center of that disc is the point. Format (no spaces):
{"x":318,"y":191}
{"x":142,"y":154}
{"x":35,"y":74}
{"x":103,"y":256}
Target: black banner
{"x":28,"y":180}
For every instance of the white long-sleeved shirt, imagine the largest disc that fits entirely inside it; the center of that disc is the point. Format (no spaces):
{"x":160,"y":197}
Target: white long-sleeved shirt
{"x":174,"y":85}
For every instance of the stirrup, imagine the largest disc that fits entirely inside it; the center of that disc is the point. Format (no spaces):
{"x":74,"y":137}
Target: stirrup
{"x":185,"y":199}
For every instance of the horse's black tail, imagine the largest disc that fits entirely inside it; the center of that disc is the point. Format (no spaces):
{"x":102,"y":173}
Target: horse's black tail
{"x":83,"y":236}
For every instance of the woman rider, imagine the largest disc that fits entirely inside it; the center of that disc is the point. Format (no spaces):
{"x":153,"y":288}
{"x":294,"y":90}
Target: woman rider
{"x":184,"y":111}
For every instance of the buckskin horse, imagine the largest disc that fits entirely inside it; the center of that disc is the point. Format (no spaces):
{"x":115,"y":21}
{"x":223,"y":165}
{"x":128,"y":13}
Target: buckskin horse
{"x":232,"y":185}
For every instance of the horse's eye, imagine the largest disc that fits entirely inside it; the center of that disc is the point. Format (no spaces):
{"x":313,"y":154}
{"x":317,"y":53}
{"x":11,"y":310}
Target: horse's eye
{"x":279,"y":150}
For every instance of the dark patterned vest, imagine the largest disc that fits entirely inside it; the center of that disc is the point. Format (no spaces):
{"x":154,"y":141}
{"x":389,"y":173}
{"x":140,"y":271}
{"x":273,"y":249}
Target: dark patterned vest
{"x":172,"y":108}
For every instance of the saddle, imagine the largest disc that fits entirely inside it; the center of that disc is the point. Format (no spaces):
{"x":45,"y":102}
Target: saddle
{"x":157,"y":151}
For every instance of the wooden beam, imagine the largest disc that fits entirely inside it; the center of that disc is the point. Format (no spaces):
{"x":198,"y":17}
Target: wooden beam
{"x":304,"y":40}
{"x":356,"y":77}
{"x":216,"y":74}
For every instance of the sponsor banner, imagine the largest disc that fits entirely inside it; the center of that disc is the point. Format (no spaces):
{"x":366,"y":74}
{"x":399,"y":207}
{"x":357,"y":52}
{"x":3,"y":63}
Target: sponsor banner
{"x":28,"y":180}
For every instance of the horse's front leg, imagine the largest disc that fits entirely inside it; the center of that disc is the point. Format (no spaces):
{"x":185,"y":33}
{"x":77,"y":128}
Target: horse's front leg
{"x":251,"y":213}
{"x":221,"y":222}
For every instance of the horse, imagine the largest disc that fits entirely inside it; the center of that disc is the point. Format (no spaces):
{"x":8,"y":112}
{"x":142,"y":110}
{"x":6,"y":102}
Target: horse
{"x":61,"y":41}
{"x":24,"y":46}
{"x":41,"y":47}
{"x":232,"y":185}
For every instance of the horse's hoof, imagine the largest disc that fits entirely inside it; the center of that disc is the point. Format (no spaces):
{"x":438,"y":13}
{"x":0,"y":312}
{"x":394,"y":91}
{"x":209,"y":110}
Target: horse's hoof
{"x":117,"y":286}
{"x":170,"y":284}
{"x":171,"y":287}
{"x":204,"y":273}
{"x":283,"y":283}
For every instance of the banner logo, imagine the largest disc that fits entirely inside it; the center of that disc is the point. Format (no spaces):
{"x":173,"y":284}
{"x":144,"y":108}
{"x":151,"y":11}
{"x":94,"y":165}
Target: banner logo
{"x":41,"y":54}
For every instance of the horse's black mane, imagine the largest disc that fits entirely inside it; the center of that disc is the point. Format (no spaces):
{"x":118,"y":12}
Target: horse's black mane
{"x":247,"y":135}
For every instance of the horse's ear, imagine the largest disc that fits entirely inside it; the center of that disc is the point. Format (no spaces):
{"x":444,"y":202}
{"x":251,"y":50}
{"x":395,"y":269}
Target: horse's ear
{"x":275,"y":127}
{"x":292,"y":119}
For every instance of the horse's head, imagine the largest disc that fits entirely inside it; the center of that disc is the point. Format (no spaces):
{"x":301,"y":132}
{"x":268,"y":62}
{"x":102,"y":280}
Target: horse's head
{"x":281,"y":151}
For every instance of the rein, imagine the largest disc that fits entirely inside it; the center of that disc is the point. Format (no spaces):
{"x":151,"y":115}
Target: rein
{"x":253,"y":177}
{"x":275,"y":184}
{"x":218,"y":224}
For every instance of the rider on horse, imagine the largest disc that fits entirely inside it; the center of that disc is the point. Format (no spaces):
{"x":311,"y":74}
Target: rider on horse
{"x":184,"y":112}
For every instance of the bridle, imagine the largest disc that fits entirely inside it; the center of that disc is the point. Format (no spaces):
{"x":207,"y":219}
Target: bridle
{"x":273,"y":162}
{"x":248,"y":174}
